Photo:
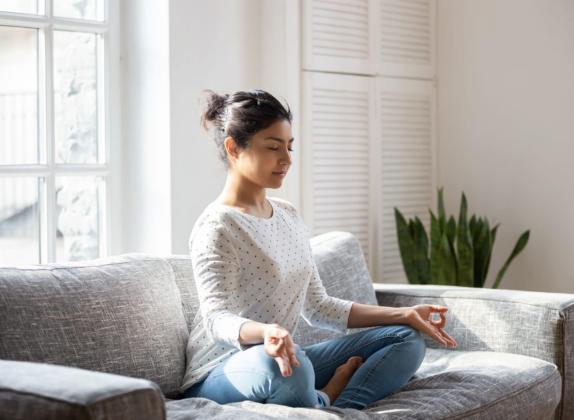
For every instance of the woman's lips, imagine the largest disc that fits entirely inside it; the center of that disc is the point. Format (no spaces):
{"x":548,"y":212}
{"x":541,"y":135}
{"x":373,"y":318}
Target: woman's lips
{"x":280,"y":173}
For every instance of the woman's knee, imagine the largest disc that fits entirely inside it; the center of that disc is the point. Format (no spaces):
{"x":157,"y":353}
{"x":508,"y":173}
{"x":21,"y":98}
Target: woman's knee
{"x":298,"y":389}
{"x":415,"y":343}
{"x":412,"y":340}
{"x":304,"y":374}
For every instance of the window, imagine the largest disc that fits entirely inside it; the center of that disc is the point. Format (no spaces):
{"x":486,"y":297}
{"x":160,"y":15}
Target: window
{"x":55,"y":172}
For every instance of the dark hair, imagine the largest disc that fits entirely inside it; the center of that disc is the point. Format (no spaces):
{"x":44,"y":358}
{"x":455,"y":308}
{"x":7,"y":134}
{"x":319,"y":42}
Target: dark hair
{"x":240,"y":115}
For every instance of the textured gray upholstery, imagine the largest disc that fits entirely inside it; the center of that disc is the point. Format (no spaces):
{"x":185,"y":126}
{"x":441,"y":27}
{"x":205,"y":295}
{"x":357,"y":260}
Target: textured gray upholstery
{"x":119,"y":315}
{"x":183,"y":274}
{"x":40,"y":391}
{"x":130,"y":315}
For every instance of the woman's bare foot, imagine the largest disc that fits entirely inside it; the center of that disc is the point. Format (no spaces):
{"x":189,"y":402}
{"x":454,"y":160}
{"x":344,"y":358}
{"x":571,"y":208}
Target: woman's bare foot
{"x":341,"y":377}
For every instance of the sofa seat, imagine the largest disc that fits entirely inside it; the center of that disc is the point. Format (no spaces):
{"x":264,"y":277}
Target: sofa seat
{"x":449,"y":384}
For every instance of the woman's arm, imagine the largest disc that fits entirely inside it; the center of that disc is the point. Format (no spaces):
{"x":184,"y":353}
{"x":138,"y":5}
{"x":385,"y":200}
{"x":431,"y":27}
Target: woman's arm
{"x":418,"y":317}
{"x":362,"y":315}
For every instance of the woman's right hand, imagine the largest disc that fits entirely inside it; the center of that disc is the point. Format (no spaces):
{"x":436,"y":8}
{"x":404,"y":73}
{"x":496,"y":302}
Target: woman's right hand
{"x":278,"y":344}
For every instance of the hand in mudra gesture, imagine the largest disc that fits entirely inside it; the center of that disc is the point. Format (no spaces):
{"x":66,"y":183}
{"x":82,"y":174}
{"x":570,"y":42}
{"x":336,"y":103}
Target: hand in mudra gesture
{"x":278,"y":344}
{"x":420,"y":317}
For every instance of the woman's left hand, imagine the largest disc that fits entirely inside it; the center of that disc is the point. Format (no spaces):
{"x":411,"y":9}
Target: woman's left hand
{"x":419,"y":317}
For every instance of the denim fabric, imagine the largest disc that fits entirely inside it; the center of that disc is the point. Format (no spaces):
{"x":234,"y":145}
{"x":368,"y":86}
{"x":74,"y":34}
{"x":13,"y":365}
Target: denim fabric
{"x":391,"y":355}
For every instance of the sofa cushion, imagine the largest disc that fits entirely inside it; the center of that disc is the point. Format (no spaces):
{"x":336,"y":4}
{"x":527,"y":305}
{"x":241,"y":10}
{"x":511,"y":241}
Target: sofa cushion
{"x":476,"y":385}
{"x":117,"y":314}
{"x":448,"y":385}
{"x":183,"y":274}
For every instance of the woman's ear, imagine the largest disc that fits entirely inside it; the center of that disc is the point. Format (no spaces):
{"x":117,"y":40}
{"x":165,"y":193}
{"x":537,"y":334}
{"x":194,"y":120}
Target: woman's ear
{"x":231,"y":147}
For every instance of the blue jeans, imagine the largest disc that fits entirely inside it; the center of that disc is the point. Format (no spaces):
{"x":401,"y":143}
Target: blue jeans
{"x":391,"y":355}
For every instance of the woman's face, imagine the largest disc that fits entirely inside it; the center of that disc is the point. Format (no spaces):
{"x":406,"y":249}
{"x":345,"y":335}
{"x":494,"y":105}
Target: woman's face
{"x":267,"y":159}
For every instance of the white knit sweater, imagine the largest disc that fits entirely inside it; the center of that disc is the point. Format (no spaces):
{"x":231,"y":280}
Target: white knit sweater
{"x":251,"y":268}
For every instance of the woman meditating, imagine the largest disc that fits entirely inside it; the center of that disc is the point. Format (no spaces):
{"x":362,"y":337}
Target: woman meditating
{"x":255,"y":274}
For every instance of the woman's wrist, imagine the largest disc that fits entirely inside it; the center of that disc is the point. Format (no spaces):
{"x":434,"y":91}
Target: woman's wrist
{"x":252,"y":332}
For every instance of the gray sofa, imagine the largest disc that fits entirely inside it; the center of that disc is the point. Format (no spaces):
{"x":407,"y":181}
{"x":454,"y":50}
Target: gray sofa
{"x":106,"y":339}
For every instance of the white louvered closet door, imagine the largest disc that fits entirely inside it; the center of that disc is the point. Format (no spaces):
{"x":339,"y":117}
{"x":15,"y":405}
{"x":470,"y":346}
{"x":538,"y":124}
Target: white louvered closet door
{"x":339,"y":36}
{"x":405,"y":38}
{"x":337,"y":172}
{"x":407,"y":168}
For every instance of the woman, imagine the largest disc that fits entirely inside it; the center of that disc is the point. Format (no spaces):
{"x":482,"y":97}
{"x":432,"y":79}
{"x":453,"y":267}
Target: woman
{"x":255,"y":274}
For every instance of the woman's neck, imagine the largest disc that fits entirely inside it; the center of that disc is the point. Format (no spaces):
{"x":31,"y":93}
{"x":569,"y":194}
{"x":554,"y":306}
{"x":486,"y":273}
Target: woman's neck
{"x":243,"y":194}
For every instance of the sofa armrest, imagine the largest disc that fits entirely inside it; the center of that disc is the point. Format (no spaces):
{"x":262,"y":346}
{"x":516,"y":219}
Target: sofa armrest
{"x":30,"y":390}
{"x":536,"y":324}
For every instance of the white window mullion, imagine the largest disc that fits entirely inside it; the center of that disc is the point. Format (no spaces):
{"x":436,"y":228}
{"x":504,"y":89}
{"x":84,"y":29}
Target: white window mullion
{"x":45,"y":251}
{"x":104,"y":197}
{"x":103,"y":215}
{"x":110,"y":221}
{"x":51,"y":216}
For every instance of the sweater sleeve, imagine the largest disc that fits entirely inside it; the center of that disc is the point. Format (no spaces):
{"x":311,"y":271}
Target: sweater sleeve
{"x":216,"y":272}
{"x":324,"y":311}
{"x":319,"y":309}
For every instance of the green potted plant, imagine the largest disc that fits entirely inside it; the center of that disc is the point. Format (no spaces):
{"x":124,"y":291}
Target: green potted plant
{"x":458,"y":254}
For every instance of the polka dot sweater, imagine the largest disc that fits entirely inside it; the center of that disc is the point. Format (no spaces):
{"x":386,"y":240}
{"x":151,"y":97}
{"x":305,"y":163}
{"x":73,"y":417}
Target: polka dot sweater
{"x":252,"y":268}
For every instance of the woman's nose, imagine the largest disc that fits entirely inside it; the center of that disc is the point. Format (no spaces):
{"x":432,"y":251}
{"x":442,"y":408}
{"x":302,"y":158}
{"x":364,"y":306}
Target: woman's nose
{"x":286,"y":158}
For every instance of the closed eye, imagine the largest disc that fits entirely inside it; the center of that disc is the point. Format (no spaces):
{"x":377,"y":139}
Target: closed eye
{"x":270,"y":148}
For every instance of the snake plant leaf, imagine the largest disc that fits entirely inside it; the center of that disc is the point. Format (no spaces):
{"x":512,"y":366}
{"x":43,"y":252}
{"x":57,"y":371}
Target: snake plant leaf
{"x":435,"y":237}
{"x":451,"y":230}
{"x":472,"y":225}
{"x":492,"y":237}
{"x":442,"y":260}
{"x":441,"y":211}
{"x":421,"y":258}
{"x":446,"y":260}
{"x":465,"y":251}
{"x":422,"y":235}
{"x":475,"y":226}
{"x":435,"y":233}
{"x":482,"y":249}
{"x":406,"y":247}
{"x":520,"y":244}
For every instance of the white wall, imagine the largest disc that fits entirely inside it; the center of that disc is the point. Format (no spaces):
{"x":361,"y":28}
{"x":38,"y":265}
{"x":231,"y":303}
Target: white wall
{"x":224,"y":46}
{"x":214,"y":45}
{"x":146,"y":195}
{"x":506,"y":129}
{"x":171,"y":51}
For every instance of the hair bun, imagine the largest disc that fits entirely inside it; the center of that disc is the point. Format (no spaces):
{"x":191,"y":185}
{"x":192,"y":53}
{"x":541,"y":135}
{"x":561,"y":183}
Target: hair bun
{"x":212,"y":114}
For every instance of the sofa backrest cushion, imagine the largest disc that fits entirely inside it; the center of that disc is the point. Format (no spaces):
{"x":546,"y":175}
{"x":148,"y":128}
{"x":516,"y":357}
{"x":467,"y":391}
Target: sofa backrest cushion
{"x":183,"y":274}
{"x":342,"y":268}
{"x":119,"y":314}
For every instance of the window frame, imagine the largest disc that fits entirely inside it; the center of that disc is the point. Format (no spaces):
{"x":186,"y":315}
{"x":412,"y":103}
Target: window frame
{"x":108,"y":100}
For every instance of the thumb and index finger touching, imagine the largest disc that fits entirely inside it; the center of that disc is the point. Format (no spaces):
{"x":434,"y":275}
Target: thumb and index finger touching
{"x":285,"y":350}
{"x":441,"y":310}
